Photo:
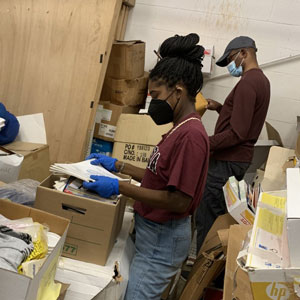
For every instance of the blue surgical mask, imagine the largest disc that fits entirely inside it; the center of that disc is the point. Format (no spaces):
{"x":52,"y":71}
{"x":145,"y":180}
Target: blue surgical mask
{"x":233,"y":69}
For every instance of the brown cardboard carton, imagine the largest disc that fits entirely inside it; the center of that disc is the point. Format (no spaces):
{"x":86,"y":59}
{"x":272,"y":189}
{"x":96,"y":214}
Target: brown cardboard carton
{"x":36,"y":161}
{"x":236,"y":283}
{"x":131,"y":92}
{"x":135,"y":138}
{"x":127,"y":60}
{"x":19,"y":287}
{"x":274,"y":177}
{"x":94,"y":224}
{"x":105,"y":126}
{"x":210,"y":260}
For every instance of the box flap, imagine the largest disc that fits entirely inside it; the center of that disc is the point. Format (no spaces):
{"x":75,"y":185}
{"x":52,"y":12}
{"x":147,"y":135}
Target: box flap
{"x":17,"y":211}
{"x":274,"y":177}
{"x":236,"y":281}
{"x":23,"y":146}
{"x":139,"y":129}
{"x":212,"y":239}
{"x":273,"y":134}
{"x":223,"y":235}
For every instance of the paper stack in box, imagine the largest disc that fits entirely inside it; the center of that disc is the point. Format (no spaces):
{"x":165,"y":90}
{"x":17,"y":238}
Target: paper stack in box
{"x":124,"y":88}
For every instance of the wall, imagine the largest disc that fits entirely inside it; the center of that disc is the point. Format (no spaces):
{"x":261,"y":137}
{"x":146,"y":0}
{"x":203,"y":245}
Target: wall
{"x":273,"y":24}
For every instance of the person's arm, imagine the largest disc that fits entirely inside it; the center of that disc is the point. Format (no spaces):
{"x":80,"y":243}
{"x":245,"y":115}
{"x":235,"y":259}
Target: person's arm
{"x":240,"y":121}
{"x":135,"y":172}
{"x":176,"y":201}
{"x":214,"y":105}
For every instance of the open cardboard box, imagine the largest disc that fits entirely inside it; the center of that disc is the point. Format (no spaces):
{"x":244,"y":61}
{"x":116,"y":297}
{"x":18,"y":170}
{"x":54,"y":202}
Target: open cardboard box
{"x":94,"y":224}
{"x":210,"y":260}
{"x":14,"y":286}
{"x":237,"y":208}
{"x":279,"y":159}
{"x":266,"y":259}
{"x":36,"y":161}
{"x":236,"y":282}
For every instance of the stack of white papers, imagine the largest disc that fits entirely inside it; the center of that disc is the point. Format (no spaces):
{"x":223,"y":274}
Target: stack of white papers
{"x":2,"y":123}
{"x":82,"y":170}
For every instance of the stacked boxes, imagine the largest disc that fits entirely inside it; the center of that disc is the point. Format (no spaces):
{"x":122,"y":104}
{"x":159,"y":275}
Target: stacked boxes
{"x":124,"y":89}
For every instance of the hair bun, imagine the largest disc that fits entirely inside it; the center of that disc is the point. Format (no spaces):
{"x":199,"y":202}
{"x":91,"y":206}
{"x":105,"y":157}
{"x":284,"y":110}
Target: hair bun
{"x":182,"y":47}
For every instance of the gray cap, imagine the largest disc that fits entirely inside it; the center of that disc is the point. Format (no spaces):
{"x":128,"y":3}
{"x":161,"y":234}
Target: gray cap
{"x":236,"y":43}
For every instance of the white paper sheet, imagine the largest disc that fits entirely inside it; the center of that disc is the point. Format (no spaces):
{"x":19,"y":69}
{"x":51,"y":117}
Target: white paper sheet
{"x":32,"y":129}
{"x":83,"y":170}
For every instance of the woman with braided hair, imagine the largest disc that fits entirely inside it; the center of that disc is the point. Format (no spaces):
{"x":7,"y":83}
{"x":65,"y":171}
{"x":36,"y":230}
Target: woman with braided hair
{"x":174,"y":180}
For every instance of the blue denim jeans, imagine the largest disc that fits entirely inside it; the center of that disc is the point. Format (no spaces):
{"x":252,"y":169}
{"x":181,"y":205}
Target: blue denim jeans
{"x":160,"y":251}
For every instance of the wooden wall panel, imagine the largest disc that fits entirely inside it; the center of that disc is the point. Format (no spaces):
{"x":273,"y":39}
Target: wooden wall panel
{"x":50,"y":62}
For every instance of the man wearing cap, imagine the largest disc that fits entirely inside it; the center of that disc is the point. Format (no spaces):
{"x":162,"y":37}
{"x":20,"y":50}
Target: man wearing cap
{"x":240,"y":121}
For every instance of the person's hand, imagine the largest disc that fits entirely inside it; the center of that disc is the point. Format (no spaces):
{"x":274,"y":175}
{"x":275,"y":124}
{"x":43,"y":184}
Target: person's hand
{"x":103,"y":186}
{"x":106,"y":162}
{"x":213,"y":105}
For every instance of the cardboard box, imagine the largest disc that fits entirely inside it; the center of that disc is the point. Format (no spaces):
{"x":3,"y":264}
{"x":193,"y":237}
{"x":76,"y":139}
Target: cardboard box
{"x":135,"y":138}
{"x":209,"y":263}
{"x":274,"y":176}
{"x":94,"y":224}
{"x":97,"y":282}
{"x":267,"y":256}
{"x":14,"y":286}
{"x":236,"y":282}
{"x":131,"y":92}
{"x":261,"y":150}
{"x":107,"y":118}
{"x":238,"y":208}
{"x":36,"y":161}
{"x":127,"y":60}
{"x":293,"y":215}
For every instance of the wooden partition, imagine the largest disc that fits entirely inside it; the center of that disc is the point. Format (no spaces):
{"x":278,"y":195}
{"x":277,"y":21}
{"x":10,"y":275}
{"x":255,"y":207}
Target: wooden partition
{"x":53,"y":58}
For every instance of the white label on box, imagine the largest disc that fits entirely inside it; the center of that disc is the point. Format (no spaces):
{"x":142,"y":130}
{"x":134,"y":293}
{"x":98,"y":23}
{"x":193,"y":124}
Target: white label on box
{"x":107,"y":130}
{"x":103,"y":114}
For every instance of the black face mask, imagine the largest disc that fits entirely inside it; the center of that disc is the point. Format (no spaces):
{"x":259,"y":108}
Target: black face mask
{"x":160,"y":111}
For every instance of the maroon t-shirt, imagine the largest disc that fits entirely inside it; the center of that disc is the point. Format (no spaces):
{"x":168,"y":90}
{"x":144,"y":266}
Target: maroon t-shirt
{"x":179,"y":161}
{"x":241,"y":118}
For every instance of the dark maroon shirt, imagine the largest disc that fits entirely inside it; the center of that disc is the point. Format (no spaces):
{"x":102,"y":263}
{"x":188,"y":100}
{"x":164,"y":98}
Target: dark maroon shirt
{"x":241,"y":118}
{"x":179,"y":161}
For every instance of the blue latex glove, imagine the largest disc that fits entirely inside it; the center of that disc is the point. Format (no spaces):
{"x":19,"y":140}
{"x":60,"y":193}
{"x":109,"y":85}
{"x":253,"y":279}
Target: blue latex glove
{"x":105,"y":161}
{"x":104,"y":186}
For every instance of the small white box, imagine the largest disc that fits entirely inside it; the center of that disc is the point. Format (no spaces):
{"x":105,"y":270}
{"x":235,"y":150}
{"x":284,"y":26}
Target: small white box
{"x":237,"y":208}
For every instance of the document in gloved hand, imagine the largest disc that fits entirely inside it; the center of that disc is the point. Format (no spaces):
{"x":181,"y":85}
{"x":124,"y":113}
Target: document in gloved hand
{"x":82,"y":170}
